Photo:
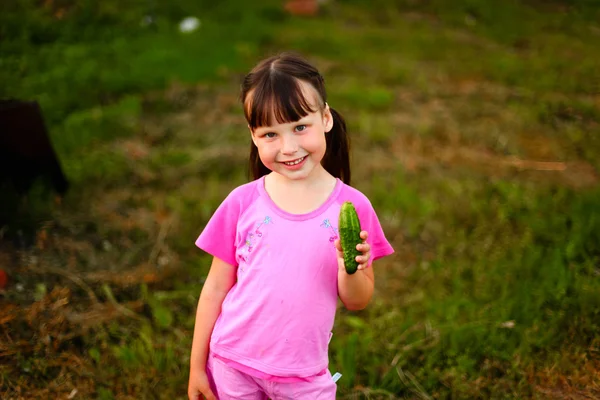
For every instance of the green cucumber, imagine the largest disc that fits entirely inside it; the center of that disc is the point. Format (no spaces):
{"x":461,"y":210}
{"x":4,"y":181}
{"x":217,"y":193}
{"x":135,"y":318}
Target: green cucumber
{"x":349,"y":227}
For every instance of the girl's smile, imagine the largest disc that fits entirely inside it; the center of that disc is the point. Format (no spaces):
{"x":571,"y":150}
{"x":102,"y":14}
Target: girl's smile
{"x":295,"y":164}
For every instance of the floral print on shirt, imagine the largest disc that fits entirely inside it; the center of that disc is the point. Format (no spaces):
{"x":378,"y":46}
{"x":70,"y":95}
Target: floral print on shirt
{"x":253,"y":237}
{"x":334,"y":232}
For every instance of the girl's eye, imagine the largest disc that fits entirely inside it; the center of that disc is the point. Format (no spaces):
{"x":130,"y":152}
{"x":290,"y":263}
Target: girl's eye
{"x":270,"y":135}
{"x":300,"y":128}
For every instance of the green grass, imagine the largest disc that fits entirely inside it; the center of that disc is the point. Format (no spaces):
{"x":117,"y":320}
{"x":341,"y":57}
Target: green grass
{"x":493,"y":290}
{"x":88,"y":69}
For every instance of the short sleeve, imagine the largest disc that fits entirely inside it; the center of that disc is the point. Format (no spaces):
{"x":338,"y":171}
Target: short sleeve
{"x":219,"y":234}
{"x":380,"y":246}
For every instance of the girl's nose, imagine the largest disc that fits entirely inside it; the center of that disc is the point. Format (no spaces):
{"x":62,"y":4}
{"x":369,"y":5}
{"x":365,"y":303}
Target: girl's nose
{"x":289,"y":146}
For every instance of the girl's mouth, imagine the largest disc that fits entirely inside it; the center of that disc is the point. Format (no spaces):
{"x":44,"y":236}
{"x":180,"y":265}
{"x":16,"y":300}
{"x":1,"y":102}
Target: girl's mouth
{"x":295,"y":162}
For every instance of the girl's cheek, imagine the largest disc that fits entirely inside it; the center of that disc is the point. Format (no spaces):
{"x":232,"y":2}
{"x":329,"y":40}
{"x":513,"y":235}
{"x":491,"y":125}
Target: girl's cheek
{"x":267,"y":155}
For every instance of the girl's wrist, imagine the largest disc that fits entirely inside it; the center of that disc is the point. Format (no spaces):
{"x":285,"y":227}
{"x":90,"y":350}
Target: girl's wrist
{"x":199,"y":360}
{"x":359,"y":274}
{"x":198,"y":365}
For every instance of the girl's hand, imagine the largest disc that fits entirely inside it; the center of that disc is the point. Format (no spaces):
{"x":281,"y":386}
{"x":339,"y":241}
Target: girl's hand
{"x":363,"y":247}
{"x":199,"y":386}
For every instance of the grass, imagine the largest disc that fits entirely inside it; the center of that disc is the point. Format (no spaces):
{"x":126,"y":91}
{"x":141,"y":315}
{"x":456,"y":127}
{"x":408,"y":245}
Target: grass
{"x":453,"y":109}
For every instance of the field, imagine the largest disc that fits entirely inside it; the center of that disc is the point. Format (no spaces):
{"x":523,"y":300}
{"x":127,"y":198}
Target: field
{"x":475,"y":132}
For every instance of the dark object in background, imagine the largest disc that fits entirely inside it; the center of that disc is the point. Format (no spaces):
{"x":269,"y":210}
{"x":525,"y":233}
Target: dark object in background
{"x":26,"y":156}
{"x":25,"y":149}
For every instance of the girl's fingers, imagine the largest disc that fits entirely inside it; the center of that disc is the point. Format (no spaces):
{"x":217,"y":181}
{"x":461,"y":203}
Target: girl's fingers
{"x":363,"y":259}
{"x":363,"y":247}
{"x":208,"y":395}
{"x":337,"y":244}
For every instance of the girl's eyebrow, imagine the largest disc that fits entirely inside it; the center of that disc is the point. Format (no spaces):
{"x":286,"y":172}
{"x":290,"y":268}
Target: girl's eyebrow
{"x":264,"y":130}
{"x":301,"y":121}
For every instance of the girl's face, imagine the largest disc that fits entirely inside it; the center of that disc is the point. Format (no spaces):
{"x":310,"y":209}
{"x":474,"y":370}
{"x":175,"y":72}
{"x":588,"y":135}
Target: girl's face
{"x":295,"y":149}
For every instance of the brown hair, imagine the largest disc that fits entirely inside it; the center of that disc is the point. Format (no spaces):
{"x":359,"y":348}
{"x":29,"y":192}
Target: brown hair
{"x":276,"y":92}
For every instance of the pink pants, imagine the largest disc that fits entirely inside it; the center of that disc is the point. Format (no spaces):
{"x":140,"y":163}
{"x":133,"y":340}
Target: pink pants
{"x":230,"y":384}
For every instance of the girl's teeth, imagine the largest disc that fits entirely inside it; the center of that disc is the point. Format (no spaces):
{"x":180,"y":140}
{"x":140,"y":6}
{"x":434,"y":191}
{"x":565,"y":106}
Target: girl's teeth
{"x":295,"y":162}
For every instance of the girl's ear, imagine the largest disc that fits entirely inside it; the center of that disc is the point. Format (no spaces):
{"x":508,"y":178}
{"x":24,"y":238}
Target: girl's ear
{"x":327,"y":118}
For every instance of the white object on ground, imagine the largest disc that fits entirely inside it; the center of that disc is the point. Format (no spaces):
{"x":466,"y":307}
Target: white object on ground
{"x":336,"y":377}
{"x":147,"y":20}
{"x":189,"y":24}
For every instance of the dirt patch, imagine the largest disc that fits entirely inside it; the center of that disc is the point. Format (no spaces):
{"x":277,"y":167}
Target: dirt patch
{"x":418,"y":153}
{"x":579,"y":385}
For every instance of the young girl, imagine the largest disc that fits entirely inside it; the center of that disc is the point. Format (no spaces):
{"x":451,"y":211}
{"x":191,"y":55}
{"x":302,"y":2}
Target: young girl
{"x":267,"y":308}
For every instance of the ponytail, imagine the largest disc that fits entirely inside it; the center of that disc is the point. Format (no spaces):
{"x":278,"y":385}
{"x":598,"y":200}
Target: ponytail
{"x":337,"y":156}
{"x":256,"y":167}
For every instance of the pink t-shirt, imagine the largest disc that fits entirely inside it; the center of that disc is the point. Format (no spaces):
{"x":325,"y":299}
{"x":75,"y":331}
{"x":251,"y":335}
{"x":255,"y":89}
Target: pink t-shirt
{"x":277,"y":318}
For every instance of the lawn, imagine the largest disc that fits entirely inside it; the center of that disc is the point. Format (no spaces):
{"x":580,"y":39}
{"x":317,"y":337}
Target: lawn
{"x":475,"y":131}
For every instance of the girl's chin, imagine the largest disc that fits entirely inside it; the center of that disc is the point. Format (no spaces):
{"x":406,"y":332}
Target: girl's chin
{"x":304,"y":173}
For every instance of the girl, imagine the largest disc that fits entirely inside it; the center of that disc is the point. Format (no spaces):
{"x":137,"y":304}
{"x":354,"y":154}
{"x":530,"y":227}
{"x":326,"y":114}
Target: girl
{"x":267,"y":308}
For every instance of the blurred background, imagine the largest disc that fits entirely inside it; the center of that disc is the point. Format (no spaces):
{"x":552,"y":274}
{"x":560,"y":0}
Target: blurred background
{"x":475,"y":132}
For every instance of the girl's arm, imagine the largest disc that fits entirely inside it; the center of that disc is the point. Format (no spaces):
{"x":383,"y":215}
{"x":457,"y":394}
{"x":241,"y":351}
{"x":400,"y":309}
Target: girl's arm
{"x":356,"y":290}
{"x":221,"y":278}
